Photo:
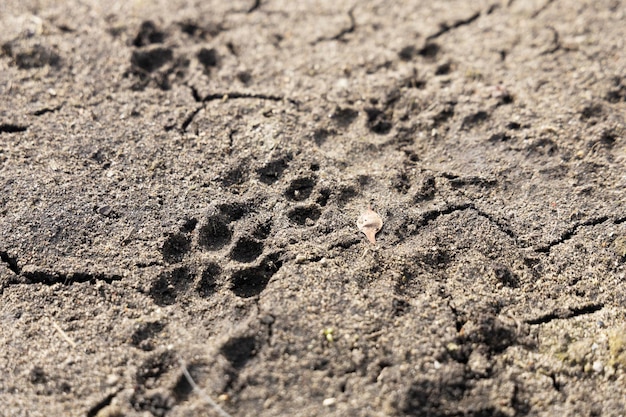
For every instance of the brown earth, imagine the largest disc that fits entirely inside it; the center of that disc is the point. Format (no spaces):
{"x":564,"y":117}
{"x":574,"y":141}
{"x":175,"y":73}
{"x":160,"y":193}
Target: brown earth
{"x":181,"y":183}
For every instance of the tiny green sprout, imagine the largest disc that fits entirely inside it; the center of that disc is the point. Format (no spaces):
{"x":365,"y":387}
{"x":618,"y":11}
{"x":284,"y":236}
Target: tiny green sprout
{"x":328,"y":333}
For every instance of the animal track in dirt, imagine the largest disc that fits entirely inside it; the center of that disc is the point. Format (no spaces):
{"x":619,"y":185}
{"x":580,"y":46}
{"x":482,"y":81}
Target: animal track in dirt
{"x":215,"y":233}
{"x":147,"y":377}
{"x":141,"y":337}
{"x":272,"y":171}
{"x":236,"y":230}
{"x":250,"y":282}
{"x":37,"y":56}
{"x":162,"y":57}
{"x":152,"y":59}
{"x":207,"y":285}
{"x":246,"y":250}
{"x":239,"y":350}
{"x":170,"y":285}
{"x":300,"y":189}
{"x":378,"y":121}
{"x":304,"y":215}
{"x":148,"y":34}
{"x":175,"y":247}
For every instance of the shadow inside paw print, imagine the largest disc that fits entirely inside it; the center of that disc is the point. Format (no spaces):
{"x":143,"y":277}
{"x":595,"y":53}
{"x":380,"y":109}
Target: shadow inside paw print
{"x":175,"y":247}
{"x":170,"y":285}
{"x":250,"y":282}
{"x":246,"y":250}
{"x":215,"y":233}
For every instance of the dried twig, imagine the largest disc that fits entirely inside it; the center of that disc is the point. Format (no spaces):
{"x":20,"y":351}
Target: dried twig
{"x":63,"y":334}
{"x":200,"y":392}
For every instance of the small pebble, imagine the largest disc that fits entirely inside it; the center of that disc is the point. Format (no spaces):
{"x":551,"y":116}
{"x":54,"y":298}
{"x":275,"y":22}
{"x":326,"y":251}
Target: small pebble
{"x":598,"y":366}
{"x":112,"y":379}
{"x":329,"y":402}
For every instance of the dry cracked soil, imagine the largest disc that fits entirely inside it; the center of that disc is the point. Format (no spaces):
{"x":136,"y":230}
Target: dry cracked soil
{"x":180,"y":184}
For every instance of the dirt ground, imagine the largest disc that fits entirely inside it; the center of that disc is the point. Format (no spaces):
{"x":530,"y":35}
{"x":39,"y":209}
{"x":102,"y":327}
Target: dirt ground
{"x":180,"y":184}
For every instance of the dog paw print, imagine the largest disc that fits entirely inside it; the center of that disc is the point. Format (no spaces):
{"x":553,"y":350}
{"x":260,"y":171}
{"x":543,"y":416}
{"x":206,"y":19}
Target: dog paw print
{"x":228,"y":248}
{"x":163,"y":56}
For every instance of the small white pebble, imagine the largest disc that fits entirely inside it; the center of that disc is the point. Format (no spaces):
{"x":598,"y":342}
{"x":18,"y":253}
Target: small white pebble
{"x":598,"y":366}
{"x":112,"y":379}
{"x":329,"y":402}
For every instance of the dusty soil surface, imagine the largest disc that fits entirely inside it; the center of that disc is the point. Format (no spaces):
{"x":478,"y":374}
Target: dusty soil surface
{"x":180,"y":184}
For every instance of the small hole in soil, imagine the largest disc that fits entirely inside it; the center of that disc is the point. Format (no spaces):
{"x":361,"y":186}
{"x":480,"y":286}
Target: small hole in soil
{"x":321,"y":135}
{"x":189,"y":225}
{"x":245,"y":77}
{"x":407,"y":52}
{"x":506,"y":276}
{"x":183,"y":389}
{"x":239,"y":351}
{"x":234,"y":211}
{"x":430,"y":50}
{"x":38,"y":57}
{"x":344,"y":116}
{"x":169,"y":285}
{"x":300,"y":189}
{"x":272,"y":172}
{"x":322,"y":199}
{"x":155,"y":366}
{"x":148,"y":33}
{"x":207,"y":57}
{"x":299,"y":215}
{"x":152,"y":59}
{"x":207,"y":286}
{"x":348,"y":192}
{"x":443,"y":69}
{"x":246,"y":250}
{"x":175,"y":247}
{"x":474,"y":119}
{"x":250,"y":282}
{"x":378,"y":121}
{"x":215,"y":234}
{"x":236,"y":176}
